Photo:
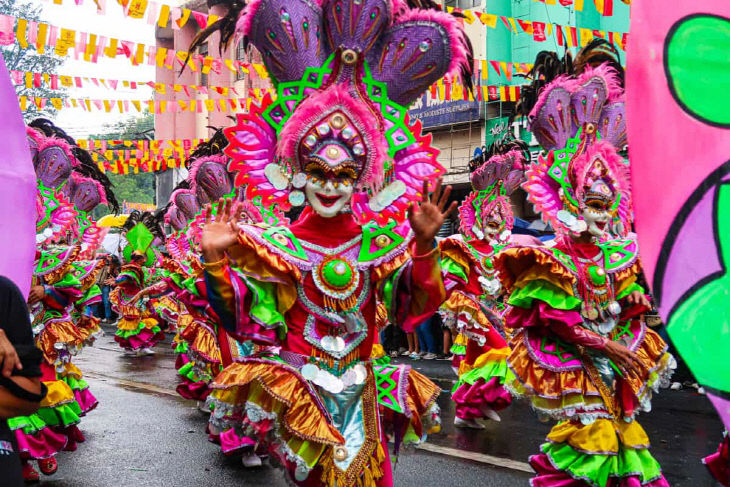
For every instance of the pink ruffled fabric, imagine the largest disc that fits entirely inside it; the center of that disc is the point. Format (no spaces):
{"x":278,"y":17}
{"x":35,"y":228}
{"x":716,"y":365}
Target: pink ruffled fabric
{"x":549,"y":476}
{"x":196,"y":391}
{"x":470,"y":399}
{"x":231,"y":443}
{"x":145,"y":339}
{"x":86,"y":400}
{"x":719,"y":462}
{"x":44,"y":444}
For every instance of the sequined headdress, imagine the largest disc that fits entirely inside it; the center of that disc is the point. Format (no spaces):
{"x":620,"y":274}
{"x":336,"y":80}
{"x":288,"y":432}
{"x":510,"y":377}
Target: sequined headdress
{"x":492,"y":182}
{"x":579,"y":119}
{"x":208,"y":181}
{"x":345,"y":72}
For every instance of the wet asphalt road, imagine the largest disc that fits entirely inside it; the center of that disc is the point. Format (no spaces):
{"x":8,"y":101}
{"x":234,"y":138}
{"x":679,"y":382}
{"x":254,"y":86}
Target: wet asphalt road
{"x":144,"y":434}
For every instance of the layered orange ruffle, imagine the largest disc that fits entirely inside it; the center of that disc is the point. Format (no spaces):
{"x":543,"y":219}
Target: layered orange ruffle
{"x":556,"y":390}
{"x":88,"y":326}
{"x":57,"y":332}
{"x":387,"y":268}
{"x":276,"y":389}
{"x":601,"y":437}
{"x":653,"y":354}
{"x":462,"y":305}
{"x":550,"y":390}
{"x":422,"y":393}
{"x":457,"y":250}
{"x":202,"y":341}
{"x":519,"y":265}
{"x":493,"y":355}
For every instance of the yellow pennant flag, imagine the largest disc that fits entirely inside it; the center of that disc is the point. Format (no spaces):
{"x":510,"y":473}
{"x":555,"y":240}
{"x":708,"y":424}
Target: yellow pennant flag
{"x":184,"y":17}
{"x":164,"y":16}
{"x":183,"y":105}
{"x":120,"y":105}
{"x":490,"y":20}
{"x":66,"y":40}
{"x":28,"y":79}
{"x":90,"y":48}
{"x":137,"y":8}
{"x":210,"y":105}
{"x":23,"y":103}
{"x":20,"y":33}
{"x":65,"y":81}
{"x":107,"y":105}
{"x":111,"y":50}
{"x":586,"y":36}
{"x":137,"y":104}
{"x":40,"y":42}
{"x":57,"y":103}
{"x":160,"y":56}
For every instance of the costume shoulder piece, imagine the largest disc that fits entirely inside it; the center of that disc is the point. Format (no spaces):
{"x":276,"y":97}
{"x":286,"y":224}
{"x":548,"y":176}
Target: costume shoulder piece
{"x":519,"y":265}
{"x":376,"y":245}
{"x":52,"y":264}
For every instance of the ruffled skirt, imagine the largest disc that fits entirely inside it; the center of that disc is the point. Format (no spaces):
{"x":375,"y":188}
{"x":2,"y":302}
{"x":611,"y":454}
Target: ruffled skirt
{"x":604,"y":453}
{"x":481,"y":385}
{"x":320,"y":437}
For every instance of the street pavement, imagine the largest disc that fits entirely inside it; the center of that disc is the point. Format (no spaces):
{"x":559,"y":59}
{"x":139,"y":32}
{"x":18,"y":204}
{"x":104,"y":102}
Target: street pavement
{"x":144,"y":434}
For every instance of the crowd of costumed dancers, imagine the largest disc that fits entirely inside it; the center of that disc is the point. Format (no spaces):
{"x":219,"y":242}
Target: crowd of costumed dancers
{"x":70,"y":187}
{"x":276,"y":317}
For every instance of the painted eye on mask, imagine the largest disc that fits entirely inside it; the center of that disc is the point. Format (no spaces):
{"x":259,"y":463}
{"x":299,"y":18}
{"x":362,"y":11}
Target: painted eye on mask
{"x":597,"y":205}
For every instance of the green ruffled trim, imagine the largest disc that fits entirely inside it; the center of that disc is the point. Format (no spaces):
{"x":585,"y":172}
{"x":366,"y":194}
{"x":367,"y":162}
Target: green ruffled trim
{"x":596,"y":469}
{"x":29,"y":424}
{"x":129,"y":333}
{"x":488,"y":372}
{"x":450,"y":266}
{"x":182,"y":347}
{"x":62,"y":415}
{"x":543,"y":291}
{"x":90,"y":293}
{"x":458,"y":349}
{"x":633,"y":287}
{"x":188,"y":371}
{"x":384,"y":360}
{"x":263,"y":305}
{"x":74,"y":383}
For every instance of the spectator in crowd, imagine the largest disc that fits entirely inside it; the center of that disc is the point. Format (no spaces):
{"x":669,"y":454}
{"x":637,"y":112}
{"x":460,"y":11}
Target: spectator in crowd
{"x":427,"y":338}
{"x":21,"y":390}
{"x":106,"y":280}
{"x":413,"y":351}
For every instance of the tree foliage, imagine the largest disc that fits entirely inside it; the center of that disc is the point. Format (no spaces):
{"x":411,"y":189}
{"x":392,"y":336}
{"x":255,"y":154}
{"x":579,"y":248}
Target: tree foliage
{"x":133,"y":188}
{"x":19,"y":59}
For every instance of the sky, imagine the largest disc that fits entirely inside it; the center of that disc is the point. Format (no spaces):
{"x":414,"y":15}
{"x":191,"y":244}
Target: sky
{"x":77,"y":122}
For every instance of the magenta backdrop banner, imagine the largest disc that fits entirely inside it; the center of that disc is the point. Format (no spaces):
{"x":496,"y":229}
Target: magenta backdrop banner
{"x":678,"y":109}
{"x":17,"y":190}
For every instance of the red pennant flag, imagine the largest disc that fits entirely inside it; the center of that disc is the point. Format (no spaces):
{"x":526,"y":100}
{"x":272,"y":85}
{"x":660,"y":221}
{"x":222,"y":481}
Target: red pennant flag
{"x":494,"y":92}
{"x":495,"y":65}
{"x":559,"y":34}
{"x":538,"y":31}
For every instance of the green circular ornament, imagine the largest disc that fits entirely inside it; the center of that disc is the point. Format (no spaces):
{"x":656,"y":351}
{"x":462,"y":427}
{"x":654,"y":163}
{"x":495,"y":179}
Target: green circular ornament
{"x":337,"y":273}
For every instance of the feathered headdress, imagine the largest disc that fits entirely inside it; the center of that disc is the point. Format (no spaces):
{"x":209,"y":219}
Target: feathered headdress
{"x":492,"y":183}
{"x":579,"y":119}
{"x":345,"y":73}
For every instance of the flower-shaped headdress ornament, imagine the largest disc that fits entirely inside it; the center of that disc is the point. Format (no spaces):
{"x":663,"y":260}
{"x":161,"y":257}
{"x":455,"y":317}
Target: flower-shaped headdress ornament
{"x":492,"y":182}
{"x":345,"y":72}
{"x":579,"y":119}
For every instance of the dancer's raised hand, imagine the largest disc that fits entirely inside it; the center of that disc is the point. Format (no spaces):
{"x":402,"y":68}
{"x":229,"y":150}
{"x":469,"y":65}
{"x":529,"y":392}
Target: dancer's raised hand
{"x":220,"y":232}
{"x":427,"y":216}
